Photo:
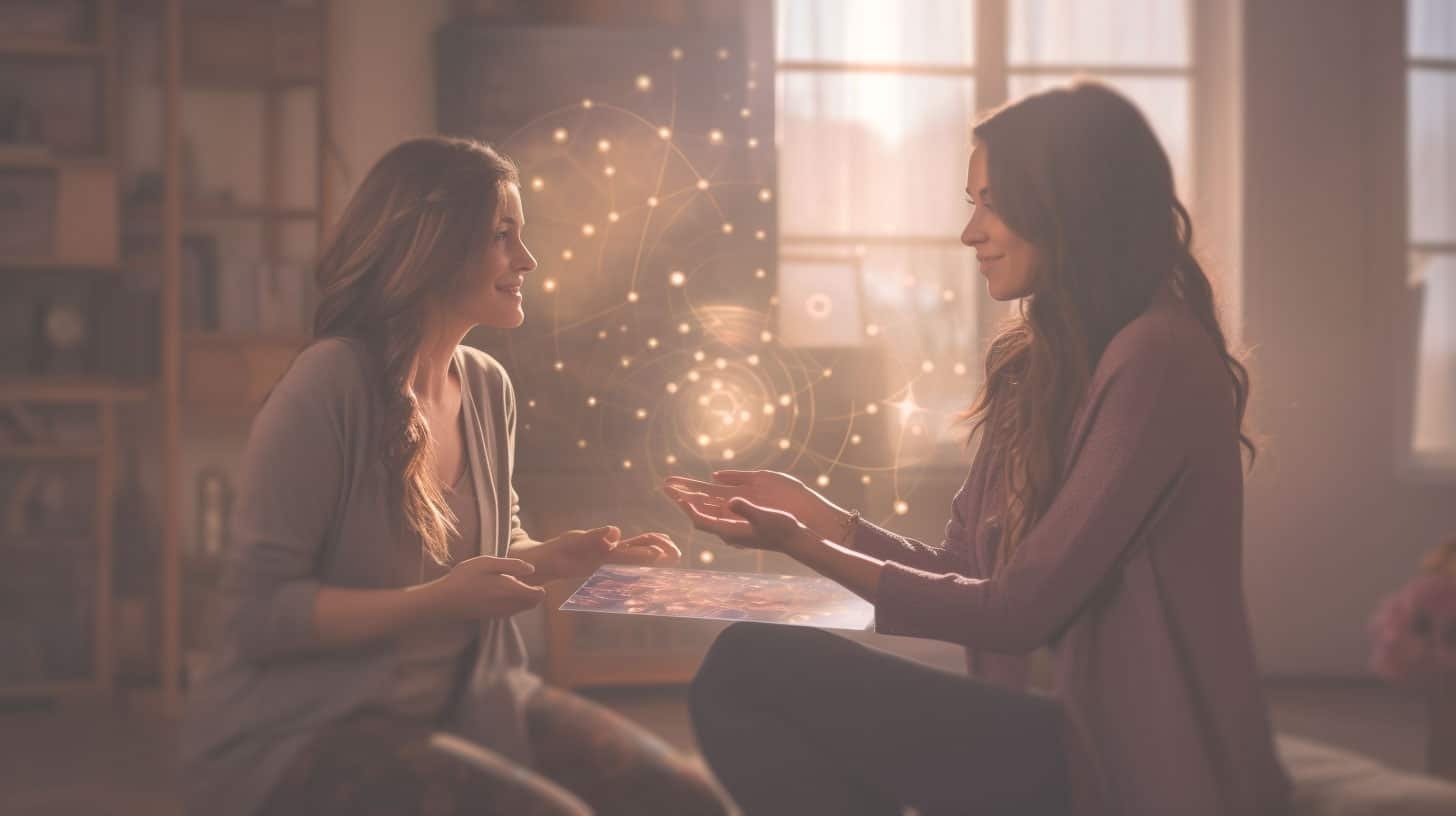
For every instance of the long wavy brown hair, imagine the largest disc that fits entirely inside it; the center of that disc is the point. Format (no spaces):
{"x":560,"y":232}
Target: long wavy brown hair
{"x":1077,"y":172}
{"x":404,"y":244}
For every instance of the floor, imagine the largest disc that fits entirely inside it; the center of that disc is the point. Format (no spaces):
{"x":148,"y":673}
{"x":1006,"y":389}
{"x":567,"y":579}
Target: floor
{"x":92,"y":760}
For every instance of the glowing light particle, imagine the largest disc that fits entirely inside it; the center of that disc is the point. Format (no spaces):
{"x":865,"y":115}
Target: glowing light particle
{"x":603,"y":145}
{"x":652,"y":201}
{"x":766,"y":336}
{"x":716,"y":385}
{"x":872,"y":330}
{"x":641,"y":413}
{"x":559,"y":136}
{"x":587,"y":103}
{"x":591,"y":402}
{"x":822,"y":481}
{"x":671,"y":388}
{"x":765,"y":195}
{"x":786,"y":400}
{"x":614,"y":216}
{"x":683,"y":328}
{"x":633,"y":297}
{"x":538,"y":184}
{"x":609,"y":170}
{"x":720,"y":363}
{"x":644,"y":82}
{"x":783,"y":444}
{"x":558,"y":365}
{"x":652,"y":342}
{"x":694,"y":376}
{"x":728,"y":453}
{"x":626,"y":362}
{"x":865,"y":479}
{"x":626,"y":464}
{"x":722,"y":54}
{"x":828,"y":372}
{"x":567,"y":254}
{"x":715,"y":136}
{"x":927,"y":366}
{"x":752,"y":142}
{"x":960,"y":369}
{"x":703,"y":184}
{"x":855,"y":439}
{"x":745,"y":112}
{"x":706,"y":556}
{"x":760,"y":273}
{"x":700,"y":355}
{"x":760,"y":235}
{"x":768,"y":409}
{"x":727,"y":227}
{"x":677,"y":53}
{"x":588,"y":230}
{"x":664,"y":133}
{"x":670,"y":459}
{"x":530,"y":403}
{"x":677,"y":278}
{"x":548,"y":285}
{"x":704,"y":440}
{"x":901,"y":507}
{"x":753,"y":359}
{"x":872,"y":409}
{"x":948,"y":296}
{"x":581,"y":443}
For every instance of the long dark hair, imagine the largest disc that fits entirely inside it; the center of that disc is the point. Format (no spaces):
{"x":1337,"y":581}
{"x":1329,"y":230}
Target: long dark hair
{"x":403,"y":245}
{"x":1077,"y":172}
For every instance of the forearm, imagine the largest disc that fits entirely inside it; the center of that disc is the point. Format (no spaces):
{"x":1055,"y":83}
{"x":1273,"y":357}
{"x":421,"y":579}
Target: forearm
{"x":350,"y":617}
{"x":857,"y":572}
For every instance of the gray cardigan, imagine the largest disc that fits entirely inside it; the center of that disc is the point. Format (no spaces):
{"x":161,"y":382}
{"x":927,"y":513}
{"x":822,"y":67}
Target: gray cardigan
{"x":312,"y":512}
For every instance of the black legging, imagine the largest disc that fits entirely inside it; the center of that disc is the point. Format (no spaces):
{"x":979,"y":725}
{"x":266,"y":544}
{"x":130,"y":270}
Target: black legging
{"x":799,"y":721}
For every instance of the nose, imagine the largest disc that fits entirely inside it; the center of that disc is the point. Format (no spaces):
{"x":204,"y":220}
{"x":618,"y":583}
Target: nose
{"x":528,"y":261}
{"x":973,"y":235}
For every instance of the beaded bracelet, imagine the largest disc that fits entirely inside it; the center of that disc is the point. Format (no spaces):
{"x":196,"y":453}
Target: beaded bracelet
{"x":849,"y":525}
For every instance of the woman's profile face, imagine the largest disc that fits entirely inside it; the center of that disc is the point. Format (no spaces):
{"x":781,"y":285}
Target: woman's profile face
{"x":1007,"y":260}
{"x":495,"y":294}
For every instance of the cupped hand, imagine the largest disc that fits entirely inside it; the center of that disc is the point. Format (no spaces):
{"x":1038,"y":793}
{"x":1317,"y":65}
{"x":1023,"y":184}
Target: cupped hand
{"x":486,"y":587}
{"x":769,"y":489}
{"x":578,"y":553}
{"x":741,"y":523}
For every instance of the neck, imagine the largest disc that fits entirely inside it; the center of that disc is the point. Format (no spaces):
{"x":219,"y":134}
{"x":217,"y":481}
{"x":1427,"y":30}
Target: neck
{"x":432,"y":383}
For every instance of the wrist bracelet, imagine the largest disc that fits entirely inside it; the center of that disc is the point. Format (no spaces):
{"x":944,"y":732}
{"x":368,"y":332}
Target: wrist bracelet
{"x":849,"y":525}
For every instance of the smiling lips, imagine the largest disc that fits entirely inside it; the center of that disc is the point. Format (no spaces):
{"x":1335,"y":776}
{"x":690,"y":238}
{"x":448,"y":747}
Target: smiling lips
{"x":512,"y":289}
{"x":985,"y":259}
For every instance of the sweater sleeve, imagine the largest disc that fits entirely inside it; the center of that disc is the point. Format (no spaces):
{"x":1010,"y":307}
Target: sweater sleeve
{"x":952,"y":555}
{"x":1131,"y":456}
{"x":519,"y":539}
{"x":291,"y":479}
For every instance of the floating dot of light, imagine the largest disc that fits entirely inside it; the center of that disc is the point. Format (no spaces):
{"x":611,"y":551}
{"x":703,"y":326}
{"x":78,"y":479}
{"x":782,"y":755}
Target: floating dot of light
{"x":706,"y":556}
{"x":670,"y":459}
{"x":722,"y":53}
{"x":752,"y":142}
{"x":633,"y":297}
{"x":641,"y":413}
{"x":727,"y":227}
{"x":865,"y":479}
{"x":766,"y":336}
{"x":683,"y":328}
{"x":559,"y":135}
{"x":760,"y":273}
{"x":855,"y":439}
{"x":948,"y":296}
{"x":753,"y":359}
{"x":765,"y":194}
{"x":716,"y":385}
{"x":581,"y":443}
{"x":664,"y":133}
{"x":872,"y":330}
{"x":626,"y":362}
{"x":784,"y":444}
{"x":694,"y":376}
{"x":715,"y":136}
{"x":603,"y":145}
{"x":773,"y":300}
{"x":702,"y":184}
{"x":768,"y":409}
{"x":614,"y":216}
{"x":676,"y":278}
{"x":901,"y":507}
{"x":720,"y":363}
{"x":745,"y":415}
{"x":602,"y":335}
{"x":745,"y":112}
{"x":671,"y":388}
{"x":644,"y":82}
{"x":927,"y":366}
{"x":728,"y":453}
{"x":609,"y":170}
{"x":558,"y":365}
{"x":588,"y":230}
{"x":626,"y":464}
{"x":872,"y":409}
{"x":960,"y":368}
{"x":586,"y":103}
{"x":677,"y":53}
{"x":538,"y":184}
{"x":760,"y":234}
{"x":549,"y":285}
{"x":567,"y":254}
{"x":822,"y":481}
{"x":828,"y":372}
{"x":704,"y":400}
{"x":591,"y":402}
{"x":752,"y":84}
{"x":700,"y":355}
{"x":652,"y":342}
{"x":622,"y":328}
{"x":704,"y":440}
{"x":530,"y":403}
{"x":652,"y":201}
{"x":785,"y":400}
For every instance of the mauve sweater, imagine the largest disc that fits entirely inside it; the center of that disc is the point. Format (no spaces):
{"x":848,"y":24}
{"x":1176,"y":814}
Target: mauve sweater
{"x":1133,"y":576}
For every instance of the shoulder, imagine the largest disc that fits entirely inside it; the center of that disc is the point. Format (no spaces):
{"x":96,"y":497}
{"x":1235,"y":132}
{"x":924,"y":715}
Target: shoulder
{"x":1167,"y":351}
{"x":329,"y":369}
{"x":485,"y":375}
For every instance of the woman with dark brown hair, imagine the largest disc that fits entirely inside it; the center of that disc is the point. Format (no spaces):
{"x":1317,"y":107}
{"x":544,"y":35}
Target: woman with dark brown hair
{"x":367,"y":660}
{"x":1101,"y":517}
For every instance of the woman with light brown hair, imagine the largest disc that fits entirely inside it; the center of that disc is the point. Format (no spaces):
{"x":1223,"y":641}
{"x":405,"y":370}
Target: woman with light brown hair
{"x":368,"y":662}
{"x":1101,"y":517}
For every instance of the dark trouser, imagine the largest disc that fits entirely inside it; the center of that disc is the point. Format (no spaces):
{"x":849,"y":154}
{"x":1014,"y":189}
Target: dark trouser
{"x":587,"y":760}
{"x":799,"y":721}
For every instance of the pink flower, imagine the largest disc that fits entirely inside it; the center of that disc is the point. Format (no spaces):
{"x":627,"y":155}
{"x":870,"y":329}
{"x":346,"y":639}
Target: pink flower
{"x":1415,"y":633}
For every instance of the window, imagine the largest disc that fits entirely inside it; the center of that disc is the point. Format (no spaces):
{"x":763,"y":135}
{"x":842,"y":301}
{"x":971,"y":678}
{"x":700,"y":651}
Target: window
{"x":1431,"y":230}
{"x":875,"y":99}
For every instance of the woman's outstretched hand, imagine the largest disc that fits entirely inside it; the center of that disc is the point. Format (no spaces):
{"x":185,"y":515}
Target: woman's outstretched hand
{"x":741,"y":523}
{"x":768,"y":489}
{"x":578,"y":553}
{"x":485,"y":587}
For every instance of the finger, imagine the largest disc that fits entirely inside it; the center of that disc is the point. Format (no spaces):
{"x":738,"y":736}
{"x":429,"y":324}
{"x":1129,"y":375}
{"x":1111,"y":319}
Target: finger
{"x":516,"y":588}
{"x":707,"y":488}
{"x":734,"y":477}
{"x":502,"y":566}
{"x":718,"y":525}
{"x":636,"y":556}
{"x":658,"y":542}
{"x":608,"y":532}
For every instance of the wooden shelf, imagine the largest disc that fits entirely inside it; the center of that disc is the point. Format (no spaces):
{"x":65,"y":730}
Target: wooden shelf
{"x":45,"y":161}
{"x":49,"y":453}
{"x":49,"y":49}
{"x":64,"y":390}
